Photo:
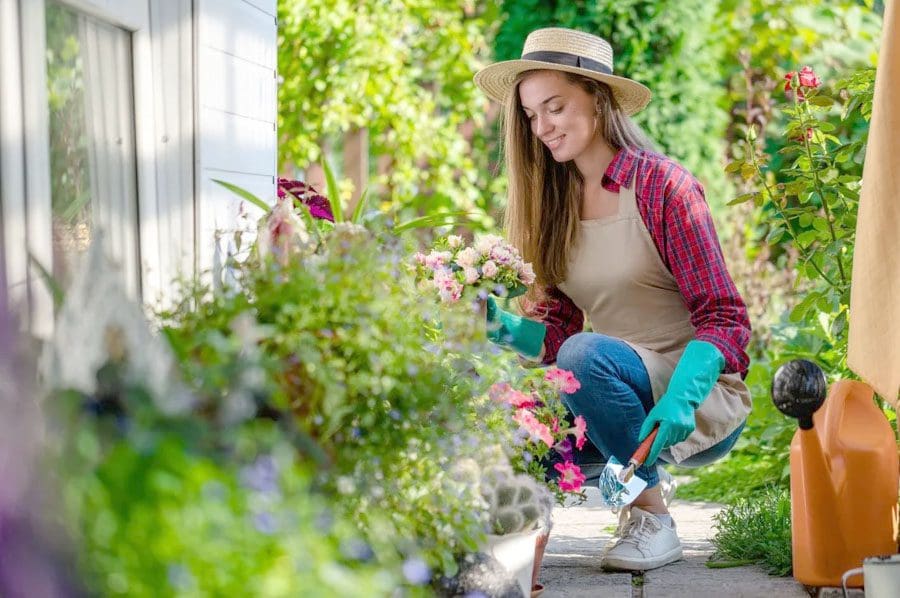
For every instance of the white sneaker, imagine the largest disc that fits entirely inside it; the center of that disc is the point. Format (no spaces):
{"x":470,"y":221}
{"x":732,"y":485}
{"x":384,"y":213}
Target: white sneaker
{"x":667,"y":484}
{"x":644,"y":542}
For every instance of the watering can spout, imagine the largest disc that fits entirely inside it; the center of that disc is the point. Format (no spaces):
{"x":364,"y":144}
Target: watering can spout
{"x":844,"y":473}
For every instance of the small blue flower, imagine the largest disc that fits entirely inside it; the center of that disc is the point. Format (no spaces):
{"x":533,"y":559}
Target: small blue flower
{"x":262,"y":475}
{"x":527,"y":456}
{"x":265,"y":523}
{"x":354,"y":548}
{"x":416,"y":571}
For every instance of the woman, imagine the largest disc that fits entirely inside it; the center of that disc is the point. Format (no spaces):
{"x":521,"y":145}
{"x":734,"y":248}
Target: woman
{"x":623,"y":234}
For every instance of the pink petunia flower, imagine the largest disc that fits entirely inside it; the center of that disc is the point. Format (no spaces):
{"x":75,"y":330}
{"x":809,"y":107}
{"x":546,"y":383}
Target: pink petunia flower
{"x":538,"y":431}
{"x":562,"y":380}
{"x":570,"y":476}
{"x":519,"y":399}
{"x":579,"y":431}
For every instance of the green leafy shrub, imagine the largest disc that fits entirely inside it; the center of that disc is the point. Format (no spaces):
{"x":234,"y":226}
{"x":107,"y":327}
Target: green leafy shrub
{"x":810,"y":203}
{"x":356,"y":362}
{"x":403,"y":71}
{"x":163,"y":519}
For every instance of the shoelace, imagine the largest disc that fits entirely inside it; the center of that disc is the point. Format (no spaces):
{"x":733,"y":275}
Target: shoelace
{"x":638,"y":532}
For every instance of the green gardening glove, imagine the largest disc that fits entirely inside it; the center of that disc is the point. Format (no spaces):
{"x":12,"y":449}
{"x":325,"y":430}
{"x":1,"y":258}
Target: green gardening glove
{"x":693,"y":379}
{"x":510,"y":330}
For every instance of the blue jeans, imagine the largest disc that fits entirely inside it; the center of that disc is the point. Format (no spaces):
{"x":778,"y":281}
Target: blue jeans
{"x":614,"y":399}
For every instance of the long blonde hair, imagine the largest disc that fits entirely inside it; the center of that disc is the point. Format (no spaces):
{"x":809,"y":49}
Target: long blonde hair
{"x":544,"y":197}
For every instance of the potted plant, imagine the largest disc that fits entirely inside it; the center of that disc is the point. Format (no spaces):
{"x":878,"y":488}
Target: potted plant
{"x":518,"y":513}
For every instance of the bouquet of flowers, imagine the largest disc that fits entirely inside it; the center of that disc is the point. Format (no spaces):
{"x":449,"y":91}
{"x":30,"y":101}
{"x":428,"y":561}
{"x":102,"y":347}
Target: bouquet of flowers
{"x":490,"y":265}
{"x":543,"y":434}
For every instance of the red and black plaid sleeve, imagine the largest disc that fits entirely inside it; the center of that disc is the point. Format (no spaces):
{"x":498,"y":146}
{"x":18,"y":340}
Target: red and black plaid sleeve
{"x":680,"y":223}
{"x":563,"y":319}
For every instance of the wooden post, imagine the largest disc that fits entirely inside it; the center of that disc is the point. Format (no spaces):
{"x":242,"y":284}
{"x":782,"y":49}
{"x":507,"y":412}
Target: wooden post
{"x":356,"y":164}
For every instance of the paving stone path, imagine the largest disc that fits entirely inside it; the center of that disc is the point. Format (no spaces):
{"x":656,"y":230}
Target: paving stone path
{"x":572,"y":560}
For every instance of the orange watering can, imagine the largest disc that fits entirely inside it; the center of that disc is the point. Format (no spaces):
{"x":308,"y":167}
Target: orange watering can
{"x":844,"y":474}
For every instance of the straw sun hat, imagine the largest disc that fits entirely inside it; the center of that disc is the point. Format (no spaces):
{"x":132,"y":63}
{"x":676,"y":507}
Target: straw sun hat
{"x":563,"y":50}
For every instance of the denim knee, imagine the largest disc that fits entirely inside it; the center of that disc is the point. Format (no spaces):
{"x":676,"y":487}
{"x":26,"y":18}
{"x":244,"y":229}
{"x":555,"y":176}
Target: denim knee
{"x":584,"y":355}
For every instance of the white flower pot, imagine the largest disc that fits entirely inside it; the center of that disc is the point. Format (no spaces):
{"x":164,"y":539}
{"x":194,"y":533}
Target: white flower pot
{"x":516,"y":553}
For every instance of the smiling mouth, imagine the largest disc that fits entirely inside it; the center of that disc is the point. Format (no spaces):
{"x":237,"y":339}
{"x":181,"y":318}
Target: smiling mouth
{"x":554,"y":143}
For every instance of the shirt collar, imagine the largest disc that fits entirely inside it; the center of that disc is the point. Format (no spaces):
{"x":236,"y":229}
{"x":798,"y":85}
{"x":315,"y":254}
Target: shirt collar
{"x":621,"y":169}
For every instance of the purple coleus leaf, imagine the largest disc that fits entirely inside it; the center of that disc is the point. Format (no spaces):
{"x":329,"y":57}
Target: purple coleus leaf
{"x":318,"y":204}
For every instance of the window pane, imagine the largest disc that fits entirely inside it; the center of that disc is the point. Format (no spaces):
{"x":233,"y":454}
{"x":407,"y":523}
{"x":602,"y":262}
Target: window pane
{"x":92,"y":150}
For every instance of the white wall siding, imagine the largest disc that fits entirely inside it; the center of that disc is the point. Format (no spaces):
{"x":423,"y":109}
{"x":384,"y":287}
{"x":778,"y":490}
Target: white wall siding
{"x":171,"y":31}
{"x":24,"y":160}
{"x":236,"y":113}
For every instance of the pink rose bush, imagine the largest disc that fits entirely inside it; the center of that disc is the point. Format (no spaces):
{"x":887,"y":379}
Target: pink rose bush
{"x":541,"y":434}
{"x":489,"y":265}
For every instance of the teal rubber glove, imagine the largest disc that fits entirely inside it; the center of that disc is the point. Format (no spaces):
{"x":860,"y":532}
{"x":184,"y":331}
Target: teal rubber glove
{"x":510,"y":330}
{"x":694,"y":377}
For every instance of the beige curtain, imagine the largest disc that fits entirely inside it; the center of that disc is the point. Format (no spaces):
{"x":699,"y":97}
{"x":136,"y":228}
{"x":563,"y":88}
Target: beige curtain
{"x":874,"y":352}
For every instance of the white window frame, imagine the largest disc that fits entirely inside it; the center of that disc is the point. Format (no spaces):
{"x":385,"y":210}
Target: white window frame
{"x":134,"y":16}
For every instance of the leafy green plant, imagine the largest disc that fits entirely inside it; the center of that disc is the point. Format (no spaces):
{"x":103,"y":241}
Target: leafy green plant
{"x":756,"y":529}
{"x":164,"y":520}
{"x":403,"y":71}
{"x":811,"y":204}
{"x":354,"y":361}
{"x":814,"y":200}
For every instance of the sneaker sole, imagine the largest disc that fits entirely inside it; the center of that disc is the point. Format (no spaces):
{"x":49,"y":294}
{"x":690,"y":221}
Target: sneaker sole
{"x":623,"y":564}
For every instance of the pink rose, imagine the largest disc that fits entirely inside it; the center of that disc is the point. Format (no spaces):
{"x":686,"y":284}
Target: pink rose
{"x":808,"y":78}
{"x":489,"y":269}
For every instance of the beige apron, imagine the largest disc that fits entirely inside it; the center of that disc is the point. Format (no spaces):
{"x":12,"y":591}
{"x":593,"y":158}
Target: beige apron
{"x":617,"y":277}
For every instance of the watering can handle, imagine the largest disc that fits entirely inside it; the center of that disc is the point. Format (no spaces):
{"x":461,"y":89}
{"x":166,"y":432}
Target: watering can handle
{"x":847,"y":575}
{"x":643,"y":449}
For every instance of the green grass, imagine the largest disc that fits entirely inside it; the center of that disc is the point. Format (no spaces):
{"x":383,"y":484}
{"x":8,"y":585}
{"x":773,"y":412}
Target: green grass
{"x":756,"y":529}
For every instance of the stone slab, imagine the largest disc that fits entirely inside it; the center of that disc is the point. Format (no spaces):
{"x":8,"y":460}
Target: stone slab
{"x":572,"y":560}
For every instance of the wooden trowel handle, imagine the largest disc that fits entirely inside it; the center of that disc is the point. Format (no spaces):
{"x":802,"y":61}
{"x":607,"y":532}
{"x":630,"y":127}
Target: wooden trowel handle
{"x":643,"y":448}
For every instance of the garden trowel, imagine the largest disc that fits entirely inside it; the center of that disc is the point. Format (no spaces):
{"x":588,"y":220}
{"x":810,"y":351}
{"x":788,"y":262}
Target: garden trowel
{"x":618,"y":484}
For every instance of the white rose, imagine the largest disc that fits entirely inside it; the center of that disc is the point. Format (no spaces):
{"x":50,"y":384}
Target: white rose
{"x":466,"y":258}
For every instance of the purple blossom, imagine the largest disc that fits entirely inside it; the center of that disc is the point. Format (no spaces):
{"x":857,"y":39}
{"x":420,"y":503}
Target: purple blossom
{"x":416,"y":571}
{"x":356,"y":549}
{"x":262,"y":475}
{"x":265,"y":523}
{"x":318,"y":204}
{"x":565,"y":449}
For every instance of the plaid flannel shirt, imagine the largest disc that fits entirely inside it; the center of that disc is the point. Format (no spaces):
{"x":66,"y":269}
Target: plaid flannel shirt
{"x":674,"y":209}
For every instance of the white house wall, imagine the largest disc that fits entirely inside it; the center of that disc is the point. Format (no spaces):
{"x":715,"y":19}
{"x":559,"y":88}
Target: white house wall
{"x":205,"y":103}
{"x":236,"y":115}
{"x":172,"y":35}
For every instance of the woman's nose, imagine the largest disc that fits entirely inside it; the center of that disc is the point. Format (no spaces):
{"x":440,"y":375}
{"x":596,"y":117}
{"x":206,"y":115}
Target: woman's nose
{"x":542,"y":126}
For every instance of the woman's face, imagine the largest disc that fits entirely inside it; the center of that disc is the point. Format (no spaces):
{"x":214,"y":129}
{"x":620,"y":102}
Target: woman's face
{"x":562,"y":115}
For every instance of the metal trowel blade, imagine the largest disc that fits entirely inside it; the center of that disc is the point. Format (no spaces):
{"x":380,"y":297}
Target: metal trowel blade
{"x":615,"y":493}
